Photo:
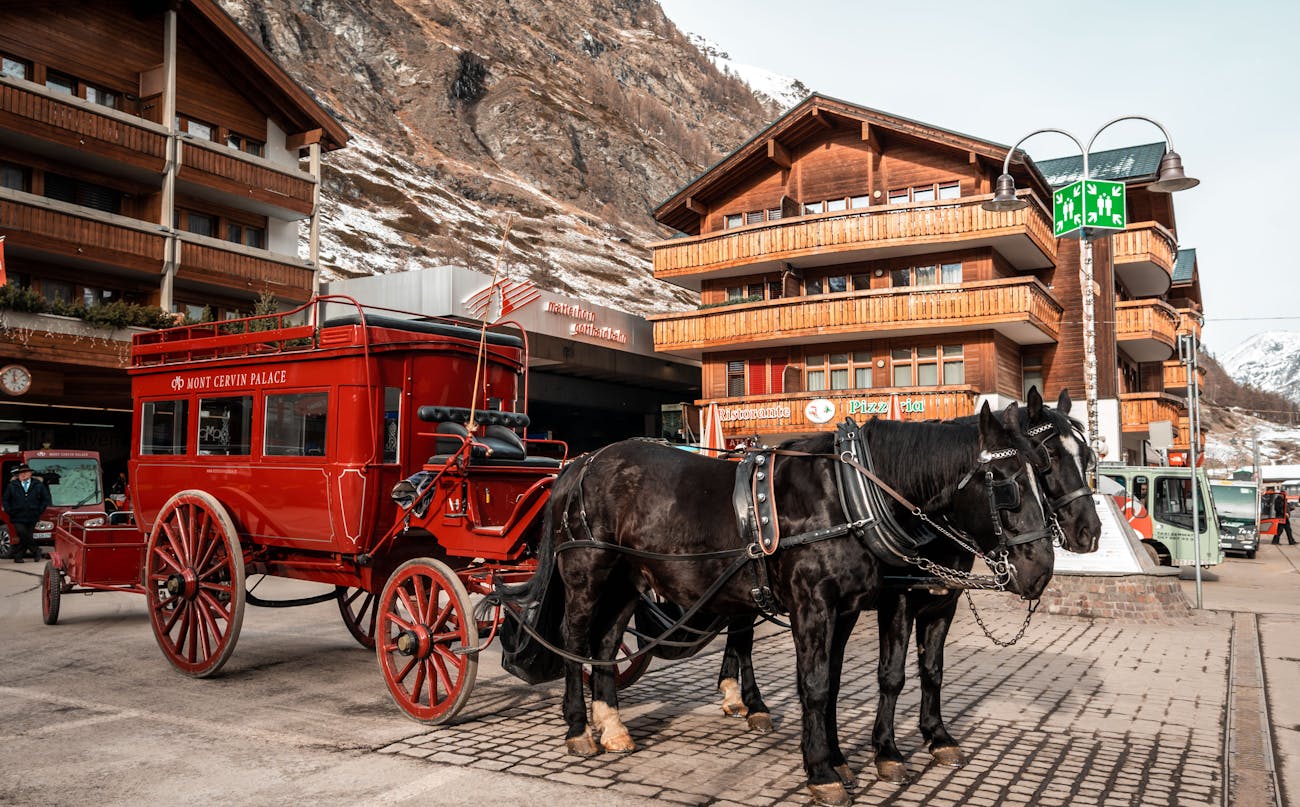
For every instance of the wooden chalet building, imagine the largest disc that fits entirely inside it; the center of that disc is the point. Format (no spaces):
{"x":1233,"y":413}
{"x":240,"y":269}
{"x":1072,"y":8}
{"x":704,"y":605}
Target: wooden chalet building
{"x":150,"y":153}
{"x":842,"y":255}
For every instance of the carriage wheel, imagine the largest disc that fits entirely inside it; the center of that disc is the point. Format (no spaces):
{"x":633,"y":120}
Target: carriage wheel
{"x":357,"y":606}
{"x":51,"y":593}
{"x":425,"y":622}
{"x":6,"y":548}
{"x":194,"y":579}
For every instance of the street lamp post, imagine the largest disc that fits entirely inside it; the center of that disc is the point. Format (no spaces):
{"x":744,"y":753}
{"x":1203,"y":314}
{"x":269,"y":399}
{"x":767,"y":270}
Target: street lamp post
{"x":1170,"y":178}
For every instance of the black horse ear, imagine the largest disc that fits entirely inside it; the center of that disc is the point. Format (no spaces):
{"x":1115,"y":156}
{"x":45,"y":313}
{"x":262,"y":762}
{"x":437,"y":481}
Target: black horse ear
{"x":1034,"y":403}
{"x":1011,"y":417}
{"x":1063,"y":403}
{"x":991,"y":431}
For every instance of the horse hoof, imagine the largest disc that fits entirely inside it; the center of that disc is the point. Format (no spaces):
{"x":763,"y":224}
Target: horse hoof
{"x":950,"y":756}
{"x":734,"y":710}
{"x":760,"y":722}
{"x":846,"y":775}
{"x":833,"y":794}
{"x":582,"y":746}
{"x":891,"y":771}
{"x":618,"y":744}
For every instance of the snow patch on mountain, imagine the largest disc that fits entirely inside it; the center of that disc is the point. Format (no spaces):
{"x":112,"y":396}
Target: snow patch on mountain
{"x":768,"y":87}
{"x":1269,"y":361}
{"x":1230,"y":442}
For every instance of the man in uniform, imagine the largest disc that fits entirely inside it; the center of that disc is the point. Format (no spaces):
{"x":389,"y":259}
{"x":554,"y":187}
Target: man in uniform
{"x":25,"y":499}
{"x":1280,"y":511}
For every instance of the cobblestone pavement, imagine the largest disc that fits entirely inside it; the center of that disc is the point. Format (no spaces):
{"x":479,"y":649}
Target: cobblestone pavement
{"x":1079,"y":712}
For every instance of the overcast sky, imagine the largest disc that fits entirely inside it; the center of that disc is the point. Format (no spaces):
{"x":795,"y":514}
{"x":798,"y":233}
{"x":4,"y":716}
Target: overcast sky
{"x":1223,"y":78}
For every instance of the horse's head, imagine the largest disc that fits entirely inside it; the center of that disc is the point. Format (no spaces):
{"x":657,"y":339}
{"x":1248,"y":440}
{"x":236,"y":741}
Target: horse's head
{"x":1064,"y":481}
{"x":1000,"y":504}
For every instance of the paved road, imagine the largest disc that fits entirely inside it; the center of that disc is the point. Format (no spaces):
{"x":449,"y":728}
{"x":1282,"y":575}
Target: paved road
{"x":1080,"y":712}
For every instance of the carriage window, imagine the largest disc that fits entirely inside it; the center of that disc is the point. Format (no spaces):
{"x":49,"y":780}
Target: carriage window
{"x":392,"y":422}
{"x":295,"y":425}
{"x":226,"y":426}
{"x":162,"y":427}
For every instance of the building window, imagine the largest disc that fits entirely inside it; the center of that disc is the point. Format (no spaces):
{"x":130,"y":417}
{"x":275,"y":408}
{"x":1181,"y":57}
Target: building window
{"x":15,"y":177}
{"x":92,"y":297}
{"x":735,"y":379}
{"x":775,"y":290}
{"x":922,"y":366}
{"x":199,"y":129}
{"x":732,"y":220}
{"x":57,"y":291}
{"x":85,"y":194}
{"x":813,"y":207}
{"x":254,"y":237}
{"x":812,"y":285}
{"x":247,"y":145}
{"x":101,"y":96}
{"x":198,"y":223}
{"x":1031,"y":377}
{"x":837,"y":283}
{"x":925,"y":193}
{"x":926,"y":275}
{"x":838,"y":371}
{"x":859,"y":201}
{"x":65,"y":85}
{"x":14,"y":68}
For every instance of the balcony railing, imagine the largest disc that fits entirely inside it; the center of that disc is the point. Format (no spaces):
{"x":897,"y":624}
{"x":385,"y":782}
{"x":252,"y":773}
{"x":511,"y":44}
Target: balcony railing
{"x":243,"y":178}
{"x":32,"y":110}
{"x":1175,"y":375}
{"x":1144,"y":256}
{"x":1138,"y":410}
{"x":233,"y":266}
{"x":58,"y":228}
{"x":1189,"y":321}
{"x":1182,"y":437}
{"x":784,"y":413}
{"x":1023,"y":236}
{"x":1147,"y":330}
{"x":1021,"y":308}
{"x":51,"y":338}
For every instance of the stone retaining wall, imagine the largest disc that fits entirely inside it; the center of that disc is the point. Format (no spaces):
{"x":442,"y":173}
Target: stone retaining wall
{"x":1137,"y":597}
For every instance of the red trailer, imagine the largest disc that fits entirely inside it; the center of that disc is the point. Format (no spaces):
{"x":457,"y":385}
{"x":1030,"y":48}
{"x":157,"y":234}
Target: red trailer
{"x":372,"y":450}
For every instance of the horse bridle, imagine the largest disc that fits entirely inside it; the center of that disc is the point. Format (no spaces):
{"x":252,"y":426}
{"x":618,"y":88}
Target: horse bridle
{"x":1004,"y":495}
{"x":1056,"y":505}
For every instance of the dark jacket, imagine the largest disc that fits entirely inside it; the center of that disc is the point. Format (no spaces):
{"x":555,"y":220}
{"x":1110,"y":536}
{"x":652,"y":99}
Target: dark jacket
{"x":26,"y":507}
{"x":1279,"y":506}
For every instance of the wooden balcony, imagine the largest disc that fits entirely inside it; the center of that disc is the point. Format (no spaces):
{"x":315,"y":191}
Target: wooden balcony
{"x":1023,"y":237}
{"x":1138,"y":410}
{"x":1182,"y":437}
{"x":784,"y":413}
{"x":32,"y":117}
{"x":232,"y":177}
{"x":52,"y":339}
{"x":1021,"y":308}
{"x":239,"y":268}
{"x":1144,"y":256}
{"x":1147,"y":330}
{"x":44,"y":226}
{"x":1175,"y":374}
{"x":1189,"y":321}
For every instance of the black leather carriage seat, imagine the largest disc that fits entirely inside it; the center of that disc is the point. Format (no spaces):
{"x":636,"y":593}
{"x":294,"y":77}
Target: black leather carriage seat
{"x":498,"y":435}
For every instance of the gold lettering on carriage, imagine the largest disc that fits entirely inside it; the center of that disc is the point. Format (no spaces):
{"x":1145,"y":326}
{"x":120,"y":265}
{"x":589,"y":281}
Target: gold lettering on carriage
{"x":215,"y":381}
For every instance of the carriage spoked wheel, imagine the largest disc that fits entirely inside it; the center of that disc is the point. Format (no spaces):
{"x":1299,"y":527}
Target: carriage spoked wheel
{"x":357,"y":607}
{"x":51,"y":593}
{"x":425,"y":624}
{"x":626,"y":673}
{"x":194,"y":579}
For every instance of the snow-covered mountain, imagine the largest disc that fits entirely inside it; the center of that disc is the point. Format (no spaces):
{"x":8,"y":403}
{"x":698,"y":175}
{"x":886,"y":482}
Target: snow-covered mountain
{"x":770,"y":87}
{"x":1269,"y":361}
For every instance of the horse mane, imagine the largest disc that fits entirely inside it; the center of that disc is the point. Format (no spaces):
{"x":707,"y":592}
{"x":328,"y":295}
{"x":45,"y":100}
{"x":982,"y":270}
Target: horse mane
{"x":922,"y":461}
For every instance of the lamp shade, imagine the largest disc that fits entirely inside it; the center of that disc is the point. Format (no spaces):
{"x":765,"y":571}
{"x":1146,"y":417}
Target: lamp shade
{"x":1171,"y":176}
{"x":1004,"y":198}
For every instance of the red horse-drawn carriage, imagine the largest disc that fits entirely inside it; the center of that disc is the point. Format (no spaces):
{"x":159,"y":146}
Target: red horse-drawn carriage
{"x":372,"y":450}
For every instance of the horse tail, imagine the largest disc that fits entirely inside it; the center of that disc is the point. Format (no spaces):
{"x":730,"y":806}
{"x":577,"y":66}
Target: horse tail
{"x":533,"y":610}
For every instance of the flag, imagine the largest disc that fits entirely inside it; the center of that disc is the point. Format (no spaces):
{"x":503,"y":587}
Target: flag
{"x":3,"y":279}
{"x":711,"y":438}
{"x":895,"y":409}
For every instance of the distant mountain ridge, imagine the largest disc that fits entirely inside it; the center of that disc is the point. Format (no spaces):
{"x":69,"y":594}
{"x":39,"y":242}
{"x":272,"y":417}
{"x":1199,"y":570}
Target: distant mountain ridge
{"x":1268,"y":361}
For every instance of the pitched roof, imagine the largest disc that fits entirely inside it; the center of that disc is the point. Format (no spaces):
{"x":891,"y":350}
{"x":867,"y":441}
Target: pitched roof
{"x":1185,"y":266}
{"x":1128,"y":163}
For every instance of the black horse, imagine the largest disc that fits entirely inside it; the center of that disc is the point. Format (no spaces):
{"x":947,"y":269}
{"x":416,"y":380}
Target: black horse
{"x":932,"y":608}
{"x":639,"y":516}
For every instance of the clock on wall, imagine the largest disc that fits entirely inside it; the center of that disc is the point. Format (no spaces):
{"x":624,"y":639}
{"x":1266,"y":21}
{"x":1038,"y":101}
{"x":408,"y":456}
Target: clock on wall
{"x":15,"y":379}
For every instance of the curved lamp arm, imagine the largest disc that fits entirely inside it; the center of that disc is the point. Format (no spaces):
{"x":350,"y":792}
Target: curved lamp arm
{"x":1006,"y":163}
{"x":1169,"y":141}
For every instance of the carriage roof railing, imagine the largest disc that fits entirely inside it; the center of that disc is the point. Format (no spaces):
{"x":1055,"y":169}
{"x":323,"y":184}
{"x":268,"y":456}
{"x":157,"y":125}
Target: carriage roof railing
{"x":303,"y":329}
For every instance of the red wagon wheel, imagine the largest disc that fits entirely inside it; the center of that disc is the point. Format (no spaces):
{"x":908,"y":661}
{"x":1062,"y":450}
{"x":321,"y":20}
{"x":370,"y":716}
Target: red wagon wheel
{"x":194,"y":579}
{"x":626,"y":673}
{"x":425,"y":623}
{"x":357,"y":607}
{"x":51,"y":593}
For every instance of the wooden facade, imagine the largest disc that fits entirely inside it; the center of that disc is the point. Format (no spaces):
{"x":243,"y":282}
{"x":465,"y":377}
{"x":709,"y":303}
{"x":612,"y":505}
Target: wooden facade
{"x":150,"y":154}
{"x":844,"y":254}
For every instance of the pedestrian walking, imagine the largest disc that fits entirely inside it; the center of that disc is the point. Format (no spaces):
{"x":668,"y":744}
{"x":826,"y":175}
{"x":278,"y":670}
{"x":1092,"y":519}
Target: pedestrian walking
{"x":25,"y":500}
{"x":1280,"y":511}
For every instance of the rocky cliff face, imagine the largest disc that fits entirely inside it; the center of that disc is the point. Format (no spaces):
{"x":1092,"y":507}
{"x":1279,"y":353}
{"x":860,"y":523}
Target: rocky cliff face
{"x":571,"y":121}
